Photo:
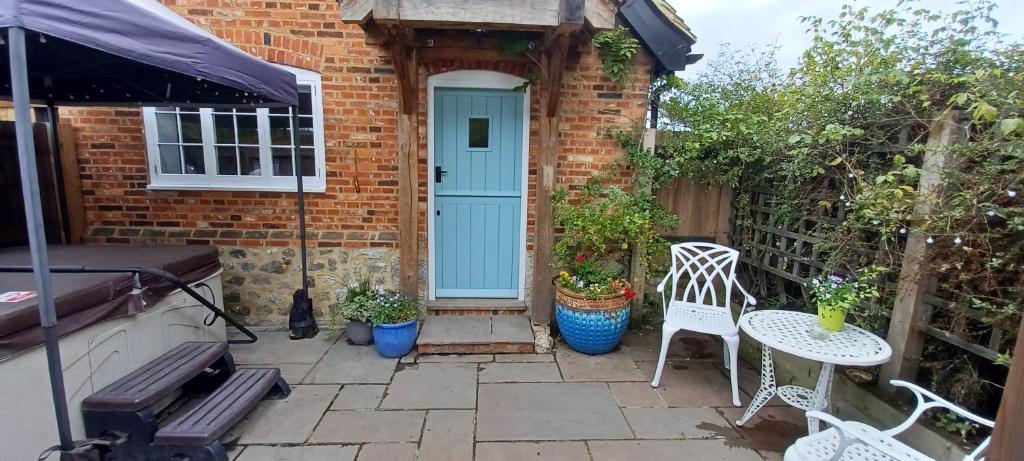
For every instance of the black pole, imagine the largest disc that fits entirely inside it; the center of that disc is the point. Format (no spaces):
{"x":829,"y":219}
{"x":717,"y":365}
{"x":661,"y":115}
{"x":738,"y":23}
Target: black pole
{"x":36,"y":231}
{"x":301,"y":321}
{"x":58,"y":170}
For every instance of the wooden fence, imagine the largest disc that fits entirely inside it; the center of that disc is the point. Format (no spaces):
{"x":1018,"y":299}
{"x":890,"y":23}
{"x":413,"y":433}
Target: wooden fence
{"x":703,"y":210}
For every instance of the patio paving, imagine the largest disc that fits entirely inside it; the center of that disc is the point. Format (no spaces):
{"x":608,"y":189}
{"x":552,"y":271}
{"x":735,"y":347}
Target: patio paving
{"x":350,"y":404}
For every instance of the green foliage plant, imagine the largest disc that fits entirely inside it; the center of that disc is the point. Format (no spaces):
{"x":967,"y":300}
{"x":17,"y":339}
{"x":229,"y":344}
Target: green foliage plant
{"x":356,"y":305}
{"x":616,"y":48}
{"x":391,"y":307}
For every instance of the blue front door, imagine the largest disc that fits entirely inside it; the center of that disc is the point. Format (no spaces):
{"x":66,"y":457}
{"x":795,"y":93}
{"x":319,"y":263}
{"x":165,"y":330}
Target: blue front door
{"x":477,"y":174}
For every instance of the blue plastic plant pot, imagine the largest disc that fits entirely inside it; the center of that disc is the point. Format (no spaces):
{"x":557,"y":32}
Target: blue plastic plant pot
{"x":394,"y":339}
{"x":595,"y":332}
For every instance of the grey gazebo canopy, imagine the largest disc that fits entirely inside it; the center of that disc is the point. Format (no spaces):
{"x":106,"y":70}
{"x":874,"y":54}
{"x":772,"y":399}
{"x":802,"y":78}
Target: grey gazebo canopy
{"x":113,"y":52}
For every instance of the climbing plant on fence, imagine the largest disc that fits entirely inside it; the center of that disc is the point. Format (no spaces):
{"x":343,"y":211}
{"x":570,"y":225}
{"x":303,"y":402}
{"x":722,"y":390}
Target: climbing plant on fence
{"x":827,"y":157}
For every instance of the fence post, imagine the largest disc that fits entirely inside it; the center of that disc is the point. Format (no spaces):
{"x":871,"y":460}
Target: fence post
{"x":905,"y":334}
{"x":1006,"y":440}
{"x":638,"y":274}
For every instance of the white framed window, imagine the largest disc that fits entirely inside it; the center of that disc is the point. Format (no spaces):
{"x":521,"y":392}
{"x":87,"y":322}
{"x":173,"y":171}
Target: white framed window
{"x":237,"y":149}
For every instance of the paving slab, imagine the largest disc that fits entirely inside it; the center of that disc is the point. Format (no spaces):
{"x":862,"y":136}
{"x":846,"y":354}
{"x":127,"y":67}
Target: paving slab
{"x":360,"y":426}
{"x":693,"y":384}
{"x":511,"y":329}
{"x":359,"y":397}
{"x":527,"y":372}
{"x":388,"y":452}
{"x":530,"y":451}
{"x":433,"y":386}
{"x":274,"y":347}
{"x":671,"y":450}
{"x":678,"y":423}
{"x":347,"y":364}
{"x":290,"y":420}
{"x":636,"y":395}
{"x":613,"y":366}
{"x":291,"y":372}
{"x":644,"y":346}
{"x":304,"y":453}
{"x":549,"y":411}
{"x":467,"y":358}
{"x":771,"y":430}
{"x":234,"y":451}
{"x":448,"y":435}
{"x":455,"y":330}
{"x":518,"y":358}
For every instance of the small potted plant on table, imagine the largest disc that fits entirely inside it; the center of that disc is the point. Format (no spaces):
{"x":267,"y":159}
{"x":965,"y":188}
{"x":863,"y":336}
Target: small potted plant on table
{"x":355,"y":307}
{"x":839,"y":292}
{"x":394,"y":323}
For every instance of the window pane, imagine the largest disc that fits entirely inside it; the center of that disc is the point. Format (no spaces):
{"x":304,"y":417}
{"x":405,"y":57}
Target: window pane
{"x":194,"y":163}
{"x":305,"y":101}
{"x":224,"y":128}
{"x":167,"y":127}
{"x":191,"y":130}
{"x":227,"y":161}
{"x":307,"y":159}
{"x":249,"y":158}
{"x":281,"y":110}
{"x":170,"y":160}
{"x":280,"y":131}
{"x":248,"y":133}
{"x":479,"y":132}
{"x":282,"y":158}
{"x":306,"y":131}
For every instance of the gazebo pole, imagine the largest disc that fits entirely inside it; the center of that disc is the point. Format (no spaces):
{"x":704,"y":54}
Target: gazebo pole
{"x":36,"y":232}
{"x":301,"y":321}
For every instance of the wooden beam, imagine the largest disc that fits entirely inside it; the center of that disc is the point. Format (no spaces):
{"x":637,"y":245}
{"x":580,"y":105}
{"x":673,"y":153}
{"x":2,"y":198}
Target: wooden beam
{"x":502,"y":14}
{"x":571,"y":11}
{"x":905,"y":332}
{"x":600,"y":14}
{"x":404,"y":56}
{"x":552,"y":61}
{"x":638,"y":273}
{"x":72,"y":182}
{"x":355,"y":11}
{"x":1007,"y":443}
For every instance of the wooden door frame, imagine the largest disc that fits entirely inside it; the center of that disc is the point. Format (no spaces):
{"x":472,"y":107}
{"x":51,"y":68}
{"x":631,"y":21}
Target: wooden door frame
{"x":480,"y":80}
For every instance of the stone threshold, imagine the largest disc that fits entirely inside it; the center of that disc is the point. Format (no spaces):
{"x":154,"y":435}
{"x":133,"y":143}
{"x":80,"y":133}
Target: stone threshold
{"x":477,"y":334}
{"x":475,"y":306}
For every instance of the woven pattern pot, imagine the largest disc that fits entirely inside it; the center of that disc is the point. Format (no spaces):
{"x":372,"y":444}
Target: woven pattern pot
{"x":591,"y":326}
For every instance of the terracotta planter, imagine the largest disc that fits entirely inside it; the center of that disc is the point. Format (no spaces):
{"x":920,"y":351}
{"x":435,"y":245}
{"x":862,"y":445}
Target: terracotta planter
{"x":591,"y":326}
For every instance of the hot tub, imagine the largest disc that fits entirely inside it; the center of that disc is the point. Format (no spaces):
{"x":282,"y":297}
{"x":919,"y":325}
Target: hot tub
{"x":109,"y":325}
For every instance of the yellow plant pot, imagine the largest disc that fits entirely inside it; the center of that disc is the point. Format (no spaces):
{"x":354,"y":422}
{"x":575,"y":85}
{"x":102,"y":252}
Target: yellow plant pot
{"x":832,"y":319}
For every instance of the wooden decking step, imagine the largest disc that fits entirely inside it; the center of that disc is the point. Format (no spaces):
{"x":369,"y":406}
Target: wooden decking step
{"x":222,"y":409}
{"x":451,"y":334}
{"x":482,"y":307}
{"x":155,"y":380}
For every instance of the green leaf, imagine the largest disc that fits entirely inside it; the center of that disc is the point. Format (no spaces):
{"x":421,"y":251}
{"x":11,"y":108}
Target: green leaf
{"x":1009,"y":125}
{"x":793,"y":139}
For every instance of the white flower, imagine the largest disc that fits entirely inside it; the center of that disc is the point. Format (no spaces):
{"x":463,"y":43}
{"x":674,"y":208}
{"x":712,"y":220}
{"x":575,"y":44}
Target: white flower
{"x":1011,"y":193}
{"x":930,"y":240}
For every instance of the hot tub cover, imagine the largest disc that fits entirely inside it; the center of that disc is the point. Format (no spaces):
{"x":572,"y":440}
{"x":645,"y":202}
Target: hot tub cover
{"x":85,"y":299}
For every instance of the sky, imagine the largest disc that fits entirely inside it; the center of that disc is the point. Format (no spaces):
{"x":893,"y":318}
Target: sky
{"x":760,"y":23}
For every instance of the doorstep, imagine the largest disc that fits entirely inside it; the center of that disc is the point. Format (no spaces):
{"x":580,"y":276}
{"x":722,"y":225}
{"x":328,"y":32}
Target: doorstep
{"x":475,"y":306}
{"x":475,"y":334}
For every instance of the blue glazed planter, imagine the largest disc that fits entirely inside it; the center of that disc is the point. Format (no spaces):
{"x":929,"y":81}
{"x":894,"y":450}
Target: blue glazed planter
{"x":591,"y":331}
{"x":394,"y":339}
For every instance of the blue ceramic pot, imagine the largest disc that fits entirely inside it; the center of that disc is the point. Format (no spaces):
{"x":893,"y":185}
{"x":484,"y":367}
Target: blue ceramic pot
{"x":590,"y":331}
{"x":394,"y":339}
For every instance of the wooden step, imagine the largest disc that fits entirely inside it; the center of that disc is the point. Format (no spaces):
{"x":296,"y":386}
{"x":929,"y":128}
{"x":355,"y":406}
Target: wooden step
{"x":450,"y":334}
{"x":223,"y":408}
{"x":157,"y":379}
{"x":475,"y":306}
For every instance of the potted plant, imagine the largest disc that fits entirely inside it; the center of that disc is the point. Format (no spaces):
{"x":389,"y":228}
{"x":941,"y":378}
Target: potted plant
{"x":839,"y":292}
{"x":599,"y":227}
{"x":355,"y":307}
{"x":394,"y":323}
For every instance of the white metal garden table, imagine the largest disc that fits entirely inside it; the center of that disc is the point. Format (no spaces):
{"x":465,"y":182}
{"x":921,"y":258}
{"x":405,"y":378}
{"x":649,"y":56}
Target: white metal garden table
{"x":790,"y":332}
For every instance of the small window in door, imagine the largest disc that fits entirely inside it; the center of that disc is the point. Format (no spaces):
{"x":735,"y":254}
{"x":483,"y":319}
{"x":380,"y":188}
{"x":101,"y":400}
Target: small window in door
{"x":479,"y":133}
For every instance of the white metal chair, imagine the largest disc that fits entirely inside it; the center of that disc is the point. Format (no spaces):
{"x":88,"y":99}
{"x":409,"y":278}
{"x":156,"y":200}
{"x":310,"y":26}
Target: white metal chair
{"x":703,"y":304}
{"x":850,"y":440}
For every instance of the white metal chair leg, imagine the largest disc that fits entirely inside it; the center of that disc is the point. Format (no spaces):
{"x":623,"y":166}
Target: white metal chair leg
{"x":666,"y":340}
{"x":732,"y":348}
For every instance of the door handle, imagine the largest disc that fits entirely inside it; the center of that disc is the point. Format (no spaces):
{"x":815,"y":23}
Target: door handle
{"x":438,"y":173}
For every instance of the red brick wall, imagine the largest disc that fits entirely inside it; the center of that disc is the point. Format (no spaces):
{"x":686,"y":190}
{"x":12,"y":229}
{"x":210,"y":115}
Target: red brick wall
{"x":360,"y":124}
